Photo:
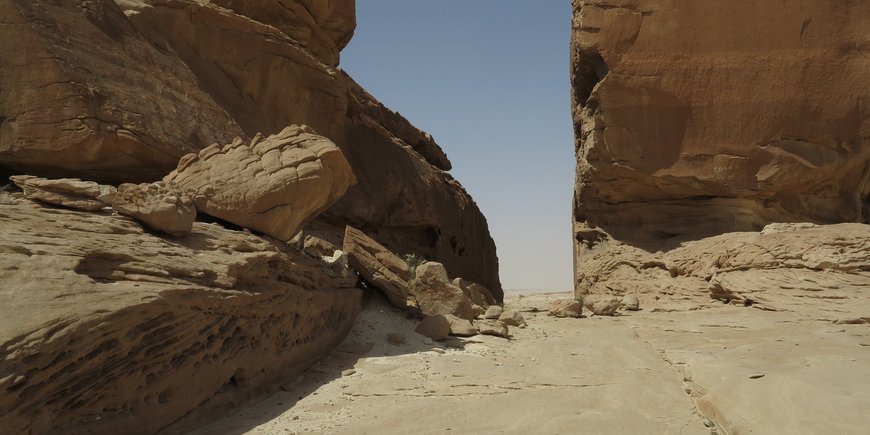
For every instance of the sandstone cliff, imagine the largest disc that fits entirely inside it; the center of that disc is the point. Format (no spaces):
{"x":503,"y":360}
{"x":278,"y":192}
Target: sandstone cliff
{"x":119,"y":91}
{"x":695,"y":118}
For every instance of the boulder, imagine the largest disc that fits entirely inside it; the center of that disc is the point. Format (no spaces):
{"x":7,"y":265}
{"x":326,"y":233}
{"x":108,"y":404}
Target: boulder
{"x":478,"y":294}
{"x":145,"y":331}
{"x":66,"y":192}
{"x":377,"y":266}
{"x":493,"y":312}
{"x":158,"y":206}
{"x":435,"y":293}
{"x":601,"y":305}
{"x":512,"y":318}
{"x":272,"y":185}
{"x":436,"y":327}
{"x":492,"y":327}
{"x":566,"y":308}
{"x":461,"y":327}
{"x":630,"y":302}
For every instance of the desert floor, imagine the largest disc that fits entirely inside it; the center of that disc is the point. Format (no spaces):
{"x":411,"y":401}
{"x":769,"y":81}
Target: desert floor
{"x":680,"y":367}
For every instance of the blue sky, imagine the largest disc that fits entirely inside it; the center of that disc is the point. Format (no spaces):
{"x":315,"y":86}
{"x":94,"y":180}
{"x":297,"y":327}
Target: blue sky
{"x":489,"y":80}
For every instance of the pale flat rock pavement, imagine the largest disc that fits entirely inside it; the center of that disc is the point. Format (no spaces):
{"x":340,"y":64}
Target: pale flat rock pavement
{"x":661,"y":370}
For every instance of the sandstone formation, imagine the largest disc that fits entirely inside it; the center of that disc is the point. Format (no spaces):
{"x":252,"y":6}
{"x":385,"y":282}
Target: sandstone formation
{"x":158,"y":206}
{"x":105,"y":326}
{"x":696,"y":118}
{"x":171,"y":77}
{"x":274,"y":185}
{"x":377,"y":266}
{"x":66,"y":192}
{"x":436,"y":295}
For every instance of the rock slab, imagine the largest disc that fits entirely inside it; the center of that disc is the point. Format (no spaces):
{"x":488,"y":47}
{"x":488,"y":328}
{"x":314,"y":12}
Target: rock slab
{"x":377,"y":265}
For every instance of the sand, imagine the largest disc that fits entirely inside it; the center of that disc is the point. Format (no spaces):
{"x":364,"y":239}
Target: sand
{"x":681,"y":368}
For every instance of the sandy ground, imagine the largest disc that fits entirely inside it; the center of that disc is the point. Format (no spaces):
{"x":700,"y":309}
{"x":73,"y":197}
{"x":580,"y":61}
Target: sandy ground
{"x":679,"y":369}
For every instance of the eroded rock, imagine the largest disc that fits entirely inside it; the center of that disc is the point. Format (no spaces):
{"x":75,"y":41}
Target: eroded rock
{"x":158,"y":206}
{"x":512,"y":318}
{"x":145,"y":331}
{"x":601,"y":305}
{"x":492,"y":327}
{"x":66,"y":192}
{"x":461,"y":327}
{"x":274,"y":185}
{"x":436,"y":327}
{"x":493,"y":312}
{"x":378,"y":266}
{"x":566,"y":308}
{"x":435,"y":294}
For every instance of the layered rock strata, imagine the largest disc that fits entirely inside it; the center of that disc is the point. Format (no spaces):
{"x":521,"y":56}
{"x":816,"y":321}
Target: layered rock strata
{"x":105,"y":326}
{"x":173,"y":76}
{"x":696,"y":118}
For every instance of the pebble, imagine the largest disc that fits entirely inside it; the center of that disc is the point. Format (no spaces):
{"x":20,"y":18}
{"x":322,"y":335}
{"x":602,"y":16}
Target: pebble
{"x":348,"y":372}
{"x":437,"y":350}
{"x":756,"y":376}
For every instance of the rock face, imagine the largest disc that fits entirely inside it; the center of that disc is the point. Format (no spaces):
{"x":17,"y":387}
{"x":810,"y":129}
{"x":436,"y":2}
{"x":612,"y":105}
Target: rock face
{"x":66,"y":192}
{"x":695,"y":118}
{"x":273,"y":185}
{"x":158,"y":206}
{"x":377,"y":266}
{"x":105,"y":326}
{"x":171,"y":77}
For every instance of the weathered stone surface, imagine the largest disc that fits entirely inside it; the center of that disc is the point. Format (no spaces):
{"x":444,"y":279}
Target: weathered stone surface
{"x":774,"y":270}
{"x":248,"y":67}
{"x":322,"y":27}
{"x":601,"y":305}
{"x":665,"y":156}
{"x":435,"y":294}
{"x":512,"y":318}
{"x":478,"y":294}
{"x":565,"y":308}
{"x":160,"y":207}
{"x":663,"y":152}
{"x":85,"y":95}
{"x":101,"y":319}
{"x":273,"y":185}
{"x":492,"y":327}
{"x":377,"y":265}
{"x":493,"y":312}
{"x":461,"y":327}
{"x":436,"y":327}
{"x":630,"y":302}
{"x":67,"y":192}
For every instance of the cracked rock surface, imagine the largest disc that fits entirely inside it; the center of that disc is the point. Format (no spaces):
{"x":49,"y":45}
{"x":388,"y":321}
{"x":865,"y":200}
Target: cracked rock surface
{"x":106,"y":326}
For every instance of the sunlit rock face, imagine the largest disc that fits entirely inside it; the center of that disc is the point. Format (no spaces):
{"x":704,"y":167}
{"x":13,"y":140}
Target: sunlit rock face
{"x":695,"y":118}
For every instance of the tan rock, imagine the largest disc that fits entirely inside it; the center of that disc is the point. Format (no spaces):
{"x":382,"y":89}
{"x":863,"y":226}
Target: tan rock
{"x":435,"y":293}
{"x":67,"y":192}
{"x":601,"y":305}
{"x":96,"y":113}
{"x":512,"y":318}
{"x":318,"y":247}
{"x":478,"y":294}
{"x":158,"y":206}
{"x":493,"y":312}
{"x":630,"y":302}
{"x":377,"y":265}
{"x":436,"y":327}
{"x":566,"y":308}
{"x":461,"y":327}
{"x":144,"y":331}
{"x":491,"y":327}
{"x":273,"y":185}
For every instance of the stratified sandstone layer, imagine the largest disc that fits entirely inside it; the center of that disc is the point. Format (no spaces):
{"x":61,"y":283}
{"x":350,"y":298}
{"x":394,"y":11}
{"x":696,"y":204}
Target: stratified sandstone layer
{"x":105,"y":327}
{"x":695,"y":118}
{"x":141,"y":83}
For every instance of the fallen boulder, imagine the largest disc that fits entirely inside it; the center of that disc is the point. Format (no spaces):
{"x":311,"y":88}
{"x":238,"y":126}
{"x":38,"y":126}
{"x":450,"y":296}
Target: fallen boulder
{"x":493,"y":312}
{"x":66,"y":192}
{"x":512,"y":318}
{"x":273,"y":185}
{"x":435,"y":327}
{"x":435,"y":293}
{"x":491,"y":327}
{"x":601,"y":305}
{"x":377,"y":266}
{"x":566,"y":308}
{"x":461,"y":327}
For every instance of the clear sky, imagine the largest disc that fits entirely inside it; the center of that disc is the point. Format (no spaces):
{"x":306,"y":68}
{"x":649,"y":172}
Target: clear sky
{"x":489,"y":79}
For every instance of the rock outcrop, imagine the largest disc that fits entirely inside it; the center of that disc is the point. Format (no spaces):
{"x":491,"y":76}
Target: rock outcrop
{"x":696,"y":118}
{"x":66,"y":192}
{"x":171,"y":77}
{"x":157,"y":205}
{"x":104,"y":326}
{"x":274,"y":185}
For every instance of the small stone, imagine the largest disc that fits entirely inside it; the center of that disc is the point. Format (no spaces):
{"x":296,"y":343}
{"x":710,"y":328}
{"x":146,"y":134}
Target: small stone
{"x":434,"y":327}
{"x":512,"y":318}
{"x":396,"y":338}
{"x":565,"y":308}
{"x":348,"y":372}
{"x":493,"y":312}
{"x":707,"y":422}
{"x":601,"y":305}
{"x":491,"y":327}
{"x":461,"y":327}
{"x":437,"y":350}
{"x":630,"y":302}
{"x":756,"y":376}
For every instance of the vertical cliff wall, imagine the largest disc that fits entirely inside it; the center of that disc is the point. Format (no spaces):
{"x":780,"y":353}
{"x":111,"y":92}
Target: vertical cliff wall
{"x":698,"y":117}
